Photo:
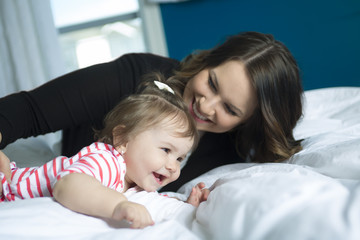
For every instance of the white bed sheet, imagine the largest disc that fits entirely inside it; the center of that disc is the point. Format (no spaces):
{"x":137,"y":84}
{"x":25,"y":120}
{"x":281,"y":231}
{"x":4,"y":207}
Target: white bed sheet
{"x":313,"y":195}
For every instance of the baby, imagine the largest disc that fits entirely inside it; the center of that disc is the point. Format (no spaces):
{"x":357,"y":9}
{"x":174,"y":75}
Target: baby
{"x":144,"y":139}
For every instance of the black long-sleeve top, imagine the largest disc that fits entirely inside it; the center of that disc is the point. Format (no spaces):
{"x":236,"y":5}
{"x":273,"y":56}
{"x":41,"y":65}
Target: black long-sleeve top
{"x":78,"y":102}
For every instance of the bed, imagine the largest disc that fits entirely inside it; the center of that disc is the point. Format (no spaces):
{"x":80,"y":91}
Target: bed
{"x":313,"y":195}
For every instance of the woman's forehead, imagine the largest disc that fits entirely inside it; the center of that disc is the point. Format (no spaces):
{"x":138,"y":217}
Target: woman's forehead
{"x":235,"y":86}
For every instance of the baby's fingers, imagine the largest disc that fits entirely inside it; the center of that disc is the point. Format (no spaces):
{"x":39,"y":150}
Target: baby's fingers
{"x":205,"y":194}
{"x":135,"y":214}
{"x":200,"y":185}
{"x":141,"y":221}
{"x":194,"y":197}
{"x":139,"y":224}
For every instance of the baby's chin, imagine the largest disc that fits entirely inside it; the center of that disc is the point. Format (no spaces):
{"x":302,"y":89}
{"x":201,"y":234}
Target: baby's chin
{"x":150,"y":188}
{"x":154,"y":188}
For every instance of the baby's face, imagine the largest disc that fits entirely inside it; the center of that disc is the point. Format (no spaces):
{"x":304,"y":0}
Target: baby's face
{"x":153,"y":157}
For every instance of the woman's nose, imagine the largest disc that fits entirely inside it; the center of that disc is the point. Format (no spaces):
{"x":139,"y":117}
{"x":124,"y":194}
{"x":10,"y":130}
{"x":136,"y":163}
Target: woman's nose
{"x":208,"y":105}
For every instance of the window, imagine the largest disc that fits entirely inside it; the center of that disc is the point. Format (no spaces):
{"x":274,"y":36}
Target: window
{"x":95,"y":31}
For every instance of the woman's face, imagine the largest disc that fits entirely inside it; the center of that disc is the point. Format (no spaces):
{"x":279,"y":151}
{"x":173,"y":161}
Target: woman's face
{"x":220,"y":98}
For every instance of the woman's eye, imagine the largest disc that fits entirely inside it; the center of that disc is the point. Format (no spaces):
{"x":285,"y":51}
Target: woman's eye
{"x":229,"y":110}
{"x":211,"y":83}
{"x":166,"y":150}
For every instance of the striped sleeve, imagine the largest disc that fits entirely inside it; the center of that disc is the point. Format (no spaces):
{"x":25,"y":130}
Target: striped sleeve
{"x":101,"y":165}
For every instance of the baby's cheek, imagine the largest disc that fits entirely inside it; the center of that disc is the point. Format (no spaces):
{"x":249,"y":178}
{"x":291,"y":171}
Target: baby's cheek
{"x":175,"y":175}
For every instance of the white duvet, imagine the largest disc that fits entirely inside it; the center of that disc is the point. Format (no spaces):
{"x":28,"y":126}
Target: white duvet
{"x":313,"y":195}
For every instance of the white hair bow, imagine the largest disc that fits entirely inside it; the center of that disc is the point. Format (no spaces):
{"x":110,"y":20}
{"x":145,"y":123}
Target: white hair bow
{"x":162,"y":86}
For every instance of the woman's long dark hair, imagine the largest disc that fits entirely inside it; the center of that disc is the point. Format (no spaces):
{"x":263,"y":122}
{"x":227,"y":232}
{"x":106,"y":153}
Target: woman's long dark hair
{"x":267,"y":136}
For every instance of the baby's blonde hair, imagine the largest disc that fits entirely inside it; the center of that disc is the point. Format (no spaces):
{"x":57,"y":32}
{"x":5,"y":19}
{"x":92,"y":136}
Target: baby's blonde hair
{"x":150,"y":109}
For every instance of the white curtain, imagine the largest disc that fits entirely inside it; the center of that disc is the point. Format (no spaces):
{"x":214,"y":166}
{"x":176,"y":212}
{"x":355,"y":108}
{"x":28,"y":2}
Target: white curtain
{"x":29,"y":48}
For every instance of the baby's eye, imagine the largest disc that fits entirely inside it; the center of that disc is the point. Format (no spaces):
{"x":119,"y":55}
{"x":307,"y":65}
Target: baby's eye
{"x":167,"y":150}
{"x":180,"y":159}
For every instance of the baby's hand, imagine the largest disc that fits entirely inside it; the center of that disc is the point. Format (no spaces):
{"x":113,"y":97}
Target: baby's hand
{"x":136,"y":214}
{"x":198,"y":194}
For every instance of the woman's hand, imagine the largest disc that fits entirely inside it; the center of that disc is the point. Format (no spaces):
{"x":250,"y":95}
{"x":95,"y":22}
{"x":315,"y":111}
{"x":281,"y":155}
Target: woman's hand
{"x":5,"y":166}
{"x":198,"y":194}
{"x":136,"y":214}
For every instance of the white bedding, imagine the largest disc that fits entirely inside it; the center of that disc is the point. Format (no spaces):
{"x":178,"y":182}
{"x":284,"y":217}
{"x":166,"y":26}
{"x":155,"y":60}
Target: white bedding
{"x":313,"y":195}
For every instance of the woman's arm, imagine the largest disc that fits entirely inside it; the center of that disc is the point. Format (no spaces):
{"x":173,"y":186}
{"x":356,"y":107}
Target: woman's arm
{"x":79,"y":98}
{"x":5,"y":168}
{"x":84,"y":194}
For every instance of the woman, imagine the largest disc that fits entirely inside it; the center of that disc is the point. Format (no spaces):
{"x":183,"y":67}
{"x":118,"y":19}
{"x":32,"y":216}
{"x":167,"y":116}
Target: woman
{"x":245,"y":95}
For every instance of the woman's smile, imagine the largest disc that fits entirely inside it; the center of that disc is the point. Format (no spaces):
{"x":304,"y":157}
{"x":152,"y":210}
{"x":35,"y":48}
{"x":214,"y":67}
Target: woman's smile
{"x":197,"y":114}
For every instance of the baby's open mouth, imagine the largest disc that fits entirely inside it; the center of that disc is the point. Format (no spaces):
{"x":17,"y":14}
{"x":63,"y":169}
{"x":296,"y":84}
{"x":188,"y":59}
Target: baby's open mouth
{"x":159,"y":178}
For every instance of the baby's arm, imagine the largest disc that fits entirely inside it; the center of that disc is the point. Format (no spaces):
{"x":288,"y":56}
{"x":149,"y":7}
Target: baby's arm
{"x":83,"y":193}
{"x":198,"y":194}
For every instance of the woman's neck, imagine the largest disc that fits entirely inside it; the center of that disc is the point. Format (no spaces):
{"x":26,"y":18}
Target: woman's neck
{"x":201,"y":133}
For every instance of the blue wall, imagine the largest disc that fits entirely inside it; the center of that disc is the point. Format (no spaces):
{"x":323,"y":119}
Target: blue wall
{"x":323,"y":35}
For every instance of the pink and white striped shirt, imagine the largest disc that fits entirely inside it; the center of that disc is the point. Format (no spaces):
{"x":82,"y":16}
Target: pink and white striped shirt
{"x":98,"y":160}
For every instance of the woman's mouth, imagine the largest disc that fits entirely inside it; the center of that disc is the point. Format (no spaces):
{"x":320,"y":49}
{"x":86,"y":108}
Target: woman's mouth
{"x":196,"y":113}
